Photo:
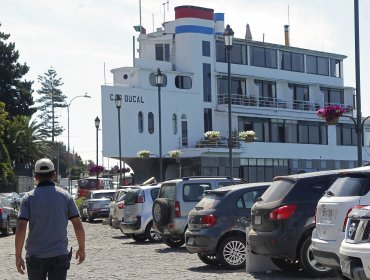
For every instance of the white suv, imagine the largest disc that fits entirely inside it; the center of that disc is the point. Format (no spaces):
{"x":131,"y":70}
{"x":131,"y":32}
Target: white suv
{"x":355,"y":248}
{"x":349,"y":190}
{"x":175,"y":200}
{"x":137,"y":220}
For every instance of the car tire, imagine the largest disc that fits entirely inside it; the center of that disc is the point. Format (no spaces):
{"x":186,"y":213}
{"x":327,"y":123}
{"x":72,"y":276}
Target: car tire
{"x":309,"y":264}
{"x":138,"y":237}
{"x":232,"y":252}
{"x":14,"y":229}
{"x":174,"y":242}
{"x":286,"y":265}
{"x":83,"y":218}
{"x":208,"y":259}
{"x":161,"y":211}
{"x":151,"y":234}
{"x":89,"y":218}
{"x":5,"y":231}
{"x":340,"y":275}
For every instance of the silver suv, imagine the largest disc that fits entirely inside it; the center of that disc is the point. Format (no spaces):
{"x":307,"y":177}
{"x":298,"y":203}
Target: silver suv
{"x":175,"y":200}
{"x":137,"y":220}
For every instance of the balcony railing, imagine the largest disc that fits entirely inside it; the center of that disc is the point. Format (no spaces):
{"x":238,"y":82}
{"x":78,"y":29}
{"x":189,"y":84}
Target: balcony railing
{"x":270,"y":102}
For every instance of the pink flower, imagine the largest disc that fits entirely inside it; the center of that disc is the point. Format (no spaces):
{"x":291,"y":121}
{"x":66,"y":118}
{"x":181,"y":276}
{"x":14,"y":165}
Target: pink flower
{"x":330,"y":112}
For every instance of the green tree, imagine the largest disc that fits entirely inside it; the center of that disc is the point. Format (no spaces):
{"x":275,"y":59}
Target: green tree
{"x":51,"y":97}
{"x":6,"y":171}
{"x":14,"y":92}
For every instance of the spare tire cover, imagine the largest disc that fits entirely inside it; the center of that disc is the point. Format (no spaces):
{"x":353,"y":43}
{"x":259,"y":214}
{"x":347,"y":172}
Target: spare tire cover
{"x":161,"y":211}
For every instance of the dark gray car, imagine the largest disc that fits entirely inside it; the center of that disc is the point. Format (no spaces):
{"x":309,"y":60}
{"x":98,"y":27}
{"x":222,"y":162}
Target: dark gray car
{"x":217,"y":225}
{"x":96,"y":204}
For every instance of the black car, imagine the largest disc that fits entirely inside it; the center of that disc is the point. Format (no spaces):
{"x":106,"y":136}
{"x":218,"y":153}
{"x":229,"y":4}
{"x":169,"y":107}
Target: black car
{"x":8,"y":216}
{"x":283,"y":220}
{"x":96,"y":204}
{"x":217,"y":225}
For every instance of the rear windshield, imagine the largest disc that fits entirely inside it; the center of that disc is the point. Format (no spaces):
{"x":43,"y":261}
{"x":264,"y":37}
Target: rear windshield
{"x":168,"y":191}
{"x":194,"y":192}
{"x":277,"y":191}
{"x":210,"y":201}
{"x":102,"y":195}
{"x":131,"y":196}
{"x":154,"y":193}
{"x":353,"y":185}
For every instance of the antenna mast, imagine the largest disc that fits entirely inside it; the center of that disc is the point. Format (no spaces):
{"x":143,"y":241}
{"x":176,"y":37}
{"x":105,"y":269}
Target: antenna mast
{"x":164,"y":9}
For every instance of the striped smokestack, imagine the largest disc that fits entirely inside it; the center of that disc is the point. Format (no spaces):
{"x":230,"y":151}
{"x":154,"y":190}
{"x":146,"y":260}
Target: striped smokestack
{"x":286,"y":33}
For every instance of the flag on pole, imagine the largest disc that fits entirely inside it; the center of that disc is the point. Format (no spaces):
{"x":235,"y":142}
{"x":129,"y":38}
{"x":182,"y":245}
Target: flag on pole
{"x":137,"y":29}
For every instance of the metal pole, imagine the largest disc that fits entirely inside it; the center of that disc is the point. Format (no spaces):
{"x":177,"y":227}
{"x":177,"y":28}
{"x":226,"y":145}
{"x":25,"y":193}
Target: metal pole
{"x":97,"y":154}
{"x":160,"y":133}
{"x":230,"y":142}
{"x":68,"y":171}
{"x":119,"y":145}
{"x":359,"y":127}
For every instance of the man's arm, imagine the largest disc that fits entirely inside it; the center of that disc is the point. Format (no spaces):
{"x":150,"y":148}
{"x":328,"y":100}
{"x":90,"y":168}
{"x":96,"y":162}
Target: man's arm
{"x":20,"y":235}
{"x":80,"y":235}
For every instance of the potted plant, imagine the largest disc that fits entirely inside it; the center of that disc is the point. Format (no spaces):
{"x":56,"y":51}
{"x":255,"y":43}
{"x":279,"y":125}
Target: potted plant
{"x":174,"y":153}
{"x":212,"y":135}
{"x":248,"y":136}
{"x":143,"y":154}
{"x":330,"y":114}
{"x":96,"y":169}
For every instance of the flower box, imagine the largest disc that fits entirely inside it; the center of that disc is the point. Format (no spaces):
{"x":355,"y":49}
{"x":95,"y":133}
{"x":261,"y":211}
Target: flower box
{"x":212,"y":135}
{"x":143,"y":154}
{"x":174,"y":153}
{"x":331,"y":114}
{"x":247,"y":136}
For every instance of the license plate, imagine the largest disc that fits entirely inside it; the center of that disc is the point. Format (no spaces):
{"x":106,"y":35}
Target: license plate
{"x":345,"y":266}
{"x":327,"y":214}
{"x":190,"y":241}
{"x":84,"y":211}
{"x":257,"y":220}
{"x":128,"y":218}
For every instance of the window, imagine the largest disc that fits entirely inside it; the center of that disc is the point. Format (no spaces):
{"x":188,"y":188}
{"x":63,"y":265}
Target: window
{"x":238,"y":86}
{"x":292,"y":61}
{"x":206,"y":48}
{"x":162,"y":52}
{"x":300,"y":97}
{"x":207,"y":93}
{"x":248,"y":199}
{"x":140,"y":122}
{"x":263,"y":57}
{"x":183,"y":82}
{"x":238,"y":54}
{"x":266,"y":88}
{"x":150,"y":123}
{"x":174,"y":124}
{"x":317,"y":65}
{"x":207,"y":119}
{"x":333,"y":96}
{"x":346,"y":135}
{"x":220,"y":51}
{"x":194,"y":192}
{"x":335,"y":68}
{"x":152,"y":79}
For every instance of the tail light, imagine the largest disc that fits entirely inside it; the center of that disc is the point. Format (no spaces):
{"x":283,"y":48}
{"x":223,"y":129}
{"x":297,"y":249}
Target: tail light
{"x":346,"y":218}
{"x":140,"y":199}
{"x":314,"y":218}
{"x":208,"y":220}
{"x":121,"y":205}
{"x":177,"y":209}
{"x":283,"y":212}
{"x":1,"y":211}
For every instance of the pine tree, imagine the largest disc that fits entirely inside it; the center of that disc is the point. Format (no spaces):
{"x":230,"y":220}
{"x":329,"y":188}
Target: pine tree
{"x":51,"y":97}
{"x":16,"y":94}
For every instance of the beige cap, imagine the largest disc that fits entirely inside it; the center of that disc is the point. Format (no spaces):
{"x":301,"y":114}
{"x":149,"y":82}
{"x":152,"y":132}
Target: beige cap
{"x":44,"y":165}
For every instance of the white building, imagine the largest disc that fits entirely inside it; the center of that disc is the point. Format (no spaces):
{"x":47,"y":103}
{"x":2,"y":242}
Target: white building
{"x":275,"y":89}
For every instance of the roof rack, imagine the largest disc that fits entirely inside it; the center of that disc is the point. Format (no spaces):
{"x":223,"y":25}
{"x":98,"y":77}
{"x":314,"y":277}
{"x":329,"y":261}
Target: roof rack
{"x":200,"y":177}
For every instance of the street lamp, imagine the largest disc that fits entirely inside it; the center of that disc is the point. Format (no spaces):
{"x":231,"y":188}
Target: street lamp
{"x":118,"y":101}
{"x":97,"y":123}
{"x":159,"y":83}
{"x":68,"y":106}
{"x":228,"y":36}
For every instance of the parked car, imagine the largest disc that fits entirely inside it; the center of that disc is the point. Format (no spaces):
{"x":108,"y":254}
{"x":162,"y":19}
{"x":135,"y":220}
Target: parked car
{"x":137,"y":220}
{"x":283,"y":220}
{"x":349,"y":190}
{"x":217,"y":225}
{"x":87,"y":184}
{"x":355,"y":248}
{"x":13,"y":198}
{"x":96,"y":204}
{"x":8,"y":216}
{"x":175,"y":200}
{"x":116,"y":208}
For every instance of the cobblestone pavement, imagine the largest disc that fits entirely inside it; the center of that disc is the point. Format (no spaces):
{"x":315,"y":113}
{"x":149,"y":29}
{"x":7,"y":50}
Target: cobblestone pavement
{"x":110,"y":255}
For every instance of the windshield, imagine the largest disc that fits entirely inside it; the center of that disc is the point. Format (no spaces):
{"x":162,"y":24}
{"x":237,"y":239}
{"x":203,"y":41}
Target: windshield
{"x":131,"y":196}
{"x":167,"y":191}
{"x":277,"y":191}
{"x":103,"y":195}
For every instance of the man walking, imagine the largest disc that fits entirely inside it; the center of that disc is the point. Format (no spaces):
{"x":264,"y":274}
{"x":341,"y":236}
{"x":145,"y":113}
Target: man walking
{"x":47,"y":209}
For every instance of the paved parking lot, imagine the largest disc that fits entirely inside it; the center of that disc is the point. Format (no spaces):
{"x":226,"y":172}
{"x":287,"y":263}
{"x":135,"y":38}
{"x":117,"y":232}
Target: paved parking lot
{"x":110,"y":255}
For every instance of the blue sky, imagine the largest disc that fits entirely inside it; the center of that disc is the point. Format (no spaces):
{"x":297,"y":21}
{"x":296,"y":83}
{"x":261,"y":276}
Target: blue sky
{"x":78,"y":37}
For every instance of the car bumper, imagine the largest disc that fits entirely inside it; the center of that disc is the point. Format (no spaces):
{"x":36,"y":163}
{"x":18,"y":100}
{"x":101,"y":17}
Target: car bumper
{"x":272,"y":244}
{"x":204,"y":241}
{"x":355,"y":261}
{"x":175,"y":228}
{"x":326,"y":252}
{"x":99,"y":213}
{"x":131,"y":227}
{"x":116,"y":223}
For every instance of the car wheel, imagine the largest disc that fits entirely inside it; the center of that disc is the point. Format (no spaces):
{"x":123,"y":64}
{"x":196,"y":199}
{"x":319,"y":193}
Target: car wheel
{"x":5,"y":231}
{"x":151,"y":234}
{"x":174,"y":242}
{"x":340,"y":275}
{"x":286,"y":265}
{"x":161,"y":211}
{"x":231,"y":252}
{"x":110,"y":221}
{"x":309,"y":264}
{"x":89,"y":218}
{"x":208,"y":259}
{"x":83,"y":218}
{"x":138,"y":237}
{"x":14,"y":229}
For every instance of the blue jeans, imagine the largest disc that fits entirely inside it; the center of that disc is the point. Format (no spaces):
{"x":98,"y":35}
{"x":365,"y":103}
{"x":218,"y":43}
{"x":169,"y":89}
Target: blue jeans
{"x":54,"y":268}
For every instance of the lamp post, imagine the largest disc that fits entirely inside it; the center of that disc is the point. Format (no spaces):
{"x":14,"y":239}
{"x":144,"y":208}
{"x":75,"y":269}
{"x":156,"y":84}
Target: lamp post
{"x":97,"y":123}
{"x":228,"y":36}
{"x":159,"y":83}
{"x":118,"y":101}
{"x":68,"y":106}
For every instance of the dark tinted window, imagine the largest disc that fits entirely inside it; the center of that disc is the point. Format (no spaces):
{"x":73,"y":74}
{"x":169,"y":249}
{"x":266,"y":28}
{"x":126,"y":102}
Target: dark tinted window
{"x":206,"y":48}
{"x":248,"y":198}
{"x":87,"y":184}
{"x":220,"y":51}
{"x":194,"y":192}
{"x":131,"y":197}
{"x":167,"y":191}
{"x":310,"y":189}
{"x":353,"y":185}
{"x":154,"y":193}
{"x":278,"y":190}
